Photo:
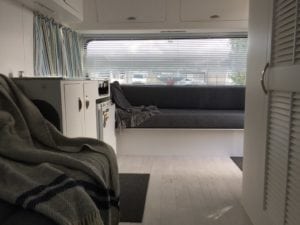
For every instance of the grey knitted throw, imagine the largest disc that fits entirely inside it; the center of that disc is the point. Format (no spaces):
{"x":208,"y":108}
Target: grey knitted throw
{"x":71,"y":181}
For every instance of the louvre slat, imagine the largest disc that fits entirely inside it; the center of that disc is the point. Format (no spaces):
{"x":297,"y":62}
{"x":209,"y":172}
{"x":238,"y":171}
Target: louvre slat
{"x":280,"y":96}
{"x":279,"y":116}
{"x":284,"y":46}
{"x":286,"y":31}
{"x":296,"y":217}
{"x":286,"y":18}
{"x":295,"y":174}
{"x":283,"y":94}
{"x":277,"y":142}
{"x":277,"y":155}
{"x":296,"y":121}
{"x":279,"y":127}
{"x":281,"y":99}
{"x":280,"y":171}
{"x":284,"y":34}
{"x":280,"y":168}
{"x":284,"y":22}
{"x":291,"y":221}
{"x":274,"y":180}
{"x":279,"y":105}
{"x":294,"y":160}
{"x":293,"y":186}
{"x":283,"y":40}
{"x":279,"y":120}
{"x":283,"y":4}
{"x":294,"y":194}
{"x":283,"y":61}
{"x":293,"y":203}
{"x":295,"y":143}
{"x":279,"y":138}
{"x":280,"y":46}
{"x":273,"y":194}
{"x":286,"y":11}
{"x":279,"y":150}
{"x":283,"y":112}
{"x":296,"y":108}
{"x":296,"y":132}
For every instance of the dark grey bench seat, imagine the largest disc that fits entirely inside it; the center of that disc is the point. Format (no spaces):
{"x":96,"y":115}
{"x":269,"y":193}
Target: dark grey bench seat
{"x":203,"y":107}
{"x":195,"y":119}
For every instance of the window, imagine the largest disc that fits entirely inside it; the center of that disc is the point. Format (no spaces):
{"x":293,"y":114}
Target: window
{"x":214,"y":61}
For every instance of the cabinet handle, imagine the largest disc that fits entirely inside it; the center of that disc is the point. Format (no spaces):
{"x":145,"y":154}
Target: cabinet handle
{"x":79,"y":104}
{"x":87,"y":102}
{"x":262,"y":80}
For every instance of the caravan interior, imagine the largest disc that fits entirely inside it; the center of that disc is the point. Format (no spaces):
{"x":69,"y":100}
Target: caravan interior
{"x":149,"y":111}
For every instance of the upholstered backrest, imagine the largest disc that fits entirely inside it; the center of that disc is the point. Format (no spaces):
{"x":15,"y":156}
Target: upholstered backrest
{"x":187,"y":97}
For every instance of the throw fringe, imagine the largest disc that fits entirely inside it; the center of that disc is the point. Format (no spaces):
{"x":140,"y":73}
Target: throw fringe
{"x":91,"y":219}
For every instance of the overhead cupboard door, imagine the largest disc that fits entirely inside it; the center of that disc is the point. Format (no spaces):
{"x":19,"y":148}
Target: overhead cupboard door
{"x":120,"y":11}
{"x":282,"y":171}
{"x":231,"y":10}
{"x":77,"y":5}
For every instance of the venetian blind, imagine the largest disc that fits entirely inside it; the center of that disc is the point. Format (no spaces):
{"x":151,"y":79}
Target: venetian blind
{"x":172,"y":61}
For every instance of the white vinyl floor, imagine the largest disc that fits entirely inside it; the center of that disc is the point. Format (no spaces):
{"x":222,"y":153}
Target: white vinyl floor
{"x":189,"y":190}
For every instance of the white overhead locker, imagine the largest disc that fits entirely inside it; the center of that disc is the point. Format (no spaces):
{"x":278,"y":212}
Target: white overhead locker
{"x":213,"y":10}
{"x":64,"y":11}
{"x":131,"y":11}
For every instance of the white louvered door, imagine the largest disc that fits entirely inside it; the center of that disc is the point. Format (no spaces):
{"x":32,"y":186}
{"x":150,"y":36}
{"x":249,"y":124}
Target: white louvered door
{"x":282,"y":165}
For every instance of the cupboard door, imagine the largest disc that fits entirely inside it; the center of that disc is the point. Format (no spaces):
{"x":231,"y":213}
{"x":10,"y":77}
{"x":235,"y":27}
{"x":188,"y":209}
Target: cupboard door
{"x":193,"y":10}
{"x":90,"y":114}
{"x":77,"y":5}
{"x":109,"y":135}
{"x":282,"y":201}
{"x":74,"y":110}
{"x":255,"y":115}
{"x":120,"y":11}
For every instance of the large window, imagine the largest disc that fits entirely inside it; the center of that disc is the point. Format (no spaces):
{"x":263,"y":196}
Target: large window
{"x":214,"y":61}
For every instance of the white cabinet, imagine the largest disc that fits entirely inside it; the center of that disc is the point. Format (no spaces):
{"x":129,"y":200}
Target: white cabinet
{"x":143,"y":16}
{"x":203,"y":10}
{"x":131,"y":11}
{"x":64,"y":11}
{"x":74,"y":102}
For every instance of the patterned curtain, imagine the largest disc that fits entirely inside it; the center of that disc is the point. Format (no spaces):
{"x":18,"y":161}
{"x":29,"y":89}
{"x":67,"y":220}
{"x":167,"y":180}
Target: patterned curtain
{"x":57,"y":49}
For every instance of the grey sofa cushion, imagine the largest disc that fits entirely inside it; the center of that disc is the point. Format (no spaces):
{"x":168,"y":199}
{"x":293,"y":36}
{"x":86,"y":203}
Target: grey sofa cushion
{"x":212,"y":119}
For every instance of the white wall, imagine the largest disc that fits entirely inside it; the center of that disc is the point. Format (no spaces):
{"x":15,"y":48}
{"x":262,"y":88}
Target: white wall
{"x":16,"y":38}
